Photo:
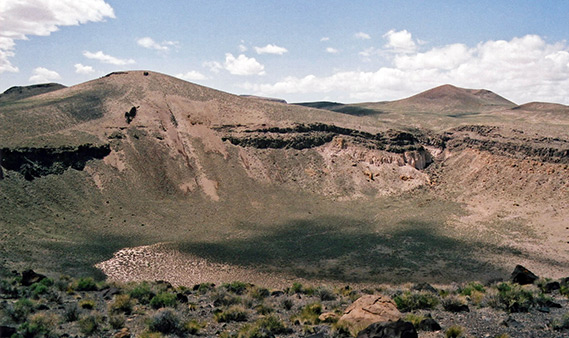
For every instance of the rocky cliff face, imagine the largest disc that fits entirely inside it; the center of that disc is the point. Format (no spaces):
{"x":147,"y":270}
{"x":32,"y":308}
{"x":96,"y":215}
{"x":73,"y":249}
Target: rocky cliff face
{"x":37,"y":162}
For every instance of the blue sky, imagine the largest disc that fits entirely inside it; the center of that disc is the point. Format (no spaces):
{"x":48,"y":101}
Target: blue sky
{"x":347,"y":51}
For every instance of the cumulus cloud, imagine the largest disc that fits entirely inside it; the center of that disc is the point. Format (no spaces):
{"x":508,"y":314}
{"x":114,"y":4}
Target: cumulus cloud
{"x":242,"y":48}
{"x":42,"y":74}
{"x":81,"y":69}
{"x":522,"y":69}
{"x":362,"y":36}
{"x":191,"y":76}
{"x":331,"y":50}
{"x":271,"y":49}
{"x":213,"y":66}
{"x":243,"y":65}
{"x":401,"y":42}
{"x":104,"y":58}
{"x":148,"y":42}
{"x":22,"y":18}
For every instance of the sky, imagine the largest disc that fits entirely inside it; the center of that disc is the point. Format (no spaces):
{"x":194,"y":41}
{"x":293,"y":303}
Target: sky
{"x":297,"y":50}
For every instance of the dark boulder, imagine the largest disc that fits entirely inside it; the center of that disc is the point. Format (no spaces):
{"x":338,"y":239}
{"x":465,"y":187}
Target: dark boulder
{"x":429,"y":324}
{"x":398,"y":329}
{"x":549,"y":287}
{"x":7,"y":331}
{"x":523,"y":276}
{"x":110,"y":292}
{"x":424,"y":287}
{"x":30,"y":277}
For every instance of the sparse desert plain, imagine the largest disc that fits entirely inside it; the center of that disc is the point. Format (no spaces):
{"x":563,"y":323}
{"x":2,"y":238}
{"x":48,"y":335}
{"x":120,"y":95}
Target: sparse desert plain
{"x":141,"y":176}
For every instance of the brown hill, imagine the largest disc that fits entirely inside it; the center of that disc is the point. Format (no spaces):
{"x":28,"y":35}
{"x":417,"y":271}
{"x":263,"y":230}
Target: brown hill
{"x":447,"y":99}
{"x":139,"y":158}
{"x":18,"y":93}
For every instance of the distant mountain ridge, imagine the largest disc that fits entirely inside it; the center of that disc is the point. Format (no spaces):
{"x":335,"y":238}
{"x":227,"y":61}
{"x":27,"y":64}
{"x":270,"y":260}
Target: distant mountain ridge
{"x":22,"y":92}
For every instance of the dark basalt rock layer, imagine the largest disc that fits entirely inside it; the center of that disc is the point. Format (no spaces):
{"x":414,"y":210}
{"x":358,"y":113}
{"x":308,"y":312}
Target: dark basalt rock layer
{"x":38,"y":162}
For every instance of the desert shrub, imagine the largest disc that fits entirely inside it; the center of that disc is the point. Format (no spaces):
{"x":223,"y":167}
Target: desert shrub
{"x":325,"y":294}
{"x":288,"y":304}
{"x":63,"y":284}
{"x":117,"y":321}
{"x":263,"y":309}
{"x":232,"y":314}
{"x":259,"y":293}
{"x":561,"y":323}
{"x":39,"y":325}
{"x":414,"y":319}
{"x":164,"y":321}
{"x":236,"y":287}
{"x":85,"y":284}
{"x":142,"y":293}
{"x":502,"y":335}
{"x":147,"y":334}
{"x":89,"y":324}
{"x":71,"y":313}
{"x":224,"y":298}
{"x":341,"y":329}
{"x":470,"y":287}
{"x":309,"y":314}
{"x":38,"y":289}
{"x":121,"y":303}
{"x":476,"y":297}
{"x":454,"y":303}
{"x":454,"y":332}
{"x":8,"y":288}
{"x":21,"y":309}
{"x":87,"y":303}
{"x":203,"y":288}
{"x":513,"y":298}
{"x":564,"y":290}
{"x":410,"y":301}
{"x":296,"y":288}
{"x":163,"y":299}
{"x":265,"y":327}
{"x":192,"y":326}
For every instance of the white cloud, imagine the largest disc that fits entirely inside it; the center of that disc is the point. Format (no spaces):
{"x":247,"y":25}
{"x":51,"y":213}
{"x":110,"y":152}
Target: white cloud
{"x":331,"y":50}
{"x":242,"y":48}
{"x":42,"y":74}
{"x":271,"y":49}
{"x":191,"y":76}
{"x":362,"y":36}
{"x":81,"y":69}
{"x":213,"y":66}
{"x":21,"y":18}
{"x":104,"y":58}
{"x":400,"y":42}
{"x":522,"y":69}
{"x":325,"y":39}
{"x":243,"y":65}
{"x":148,"y":42}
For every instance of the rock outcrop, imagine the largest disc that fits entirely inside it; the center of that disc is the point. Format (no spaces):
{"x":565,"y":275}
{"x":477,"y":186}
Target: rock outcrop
{"x":398,"y":329}
{"x":370,"y":309}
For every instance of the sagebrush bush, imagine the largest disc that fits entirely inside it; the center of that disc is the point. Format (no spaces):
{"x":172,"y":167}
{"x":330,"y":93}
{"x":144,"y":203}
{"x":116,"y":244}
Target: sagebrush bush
{"x":38,"y":289}
{"x":309,"y":314}
{"x":513,"y":298}
{"x":39,"y":325}
{"x":163,"y":299}
{"x":288,"y":304}
{"x":142,"y":293}
{"x":71,"y":313}
{"x":192,"y":326}
{"x":234,"y":313}
{"x":89,"y":324}
{"x":259,"y":293}
{"x":164,"y":321}
{"x":117,"y":321}
{"x":264,"y":309}
{"x":265,"y":327}
{"x":223,"y":298}
{"x":454,"y":332}
{"x":85,"y":284}
{"x":236,"y":287}
{"x":470,"y":287}
{"x":411,"y":301}
{"x":21,"y":309}
{"x":325,"y":294}
{"x":561,"y":323}
{"x":121,"y":303}
{"x":454,"y":303}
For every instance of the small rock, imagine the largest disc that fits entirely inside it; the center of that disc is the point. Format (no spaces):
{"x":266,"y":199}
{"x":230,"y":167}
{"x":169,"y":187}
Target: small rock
{"x":544,"y":309}
{"x":511,"y":322}
{"x":328,"y":317}
{"x":398,"y":329}
{"x":523,"y":276}
{"x":277,"y":293}
{"x":110,"y":292}
{"x":30,"y":277}
{"x":123,"y":333}
{"x":182,"y":298}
